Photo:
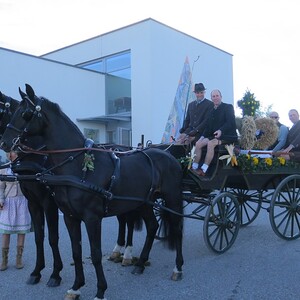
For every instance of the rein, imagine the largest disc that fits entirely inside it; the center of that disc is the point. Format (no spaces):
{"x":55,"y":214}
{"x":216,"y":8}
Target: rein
{"x":25,"y":149}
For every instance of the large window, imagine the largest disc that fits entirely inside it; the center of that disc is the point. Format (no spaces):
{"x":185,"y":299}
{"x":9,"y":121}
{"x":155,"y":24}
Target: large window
{"x":117,"y":65}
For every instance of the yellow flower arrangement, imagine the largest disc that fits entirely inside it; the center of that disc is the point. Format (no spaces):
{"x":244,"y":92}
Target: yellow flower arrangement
{"x":255,"y":161}
{"x":251,"y":164}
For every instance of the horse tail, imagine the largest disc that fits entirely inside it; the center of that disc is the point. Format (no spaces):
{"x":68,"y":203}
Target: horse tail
{"x":172,"y":226}
{"x":138,"y":223}
{"x":136,"y":219}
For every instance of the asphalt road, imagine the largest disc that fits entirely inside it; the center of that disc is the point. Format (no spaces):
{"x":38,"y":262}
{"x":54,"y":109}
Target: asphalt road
{"x":259,"y":265}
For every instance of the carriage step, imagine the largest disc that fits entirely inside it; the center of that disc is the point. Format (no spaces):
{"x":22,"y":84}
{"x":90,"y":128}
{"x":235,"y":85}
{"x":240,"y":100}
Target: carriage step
{"x":192,"y":198}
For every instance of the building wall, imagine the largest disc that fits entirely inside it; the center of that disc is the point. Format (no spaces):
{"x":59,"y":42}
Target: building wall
{"x":79,"y":92}
{"x":158,"y":53}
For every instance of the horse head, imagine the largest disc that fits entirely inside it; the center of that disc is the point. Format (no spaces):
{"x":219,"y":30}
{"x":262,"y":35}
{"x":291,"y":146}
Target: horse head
{"x":8,"y":106}
{"x":26,"y":120}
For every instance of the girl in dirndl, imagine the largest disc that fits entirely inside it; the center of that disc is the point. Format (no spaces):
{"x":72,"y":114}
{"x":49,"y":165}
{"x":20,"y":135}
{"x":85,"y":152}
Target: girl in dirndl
{"x":14,"y":216}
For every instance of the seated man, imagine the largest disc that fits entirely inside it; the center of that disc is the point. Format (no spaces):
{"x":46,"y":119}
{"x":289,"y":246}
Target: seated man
{"x":219,"y":127}
{"x":293,"y":138}
{"x":196,"y":117}
{"x":282,"y":134}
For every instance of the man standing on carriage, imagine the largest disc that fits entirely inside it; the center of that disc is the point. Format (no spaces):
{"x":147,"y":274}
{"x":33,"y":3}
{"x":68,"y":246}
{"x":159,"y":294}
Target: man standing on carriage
{"x":196,"y":117}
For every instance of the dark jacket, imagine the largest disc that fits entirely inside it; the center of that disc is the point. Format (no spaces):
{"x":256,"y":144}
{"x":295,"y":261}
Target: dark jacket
{"x":222,"y":118}
{"x":196,"y":116}
{"x":293,"y":137}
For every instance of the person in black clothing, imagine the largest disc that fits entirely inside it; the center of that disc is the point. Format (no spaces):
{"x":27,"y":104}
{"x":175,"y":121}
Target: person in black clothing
{"x":219,"y":127}
{"x":293,"y":138}
{"x":196,"y":117}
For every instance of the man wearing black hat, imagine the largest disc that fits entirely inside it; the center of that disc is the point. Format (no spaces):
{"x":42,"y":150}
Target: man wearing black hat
{"x":196,"y":117}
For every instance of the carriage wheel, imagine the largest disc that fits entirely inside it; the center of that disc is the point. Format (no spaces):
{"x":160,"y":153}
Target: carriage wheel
{"x":250,"y":202}
{"x":160,"y":233}
{"x":222,"y":222}
{"x":285,"y":208}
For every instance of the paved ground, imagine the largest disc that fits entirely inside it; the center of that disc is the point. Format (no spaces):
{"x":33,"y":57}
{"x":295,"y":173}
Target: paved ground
{"x":258,"y":266}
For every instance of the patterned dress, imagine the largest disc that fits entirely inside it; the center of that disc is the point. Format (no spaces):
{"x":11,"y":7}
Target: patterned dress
{"x":15,"y":217}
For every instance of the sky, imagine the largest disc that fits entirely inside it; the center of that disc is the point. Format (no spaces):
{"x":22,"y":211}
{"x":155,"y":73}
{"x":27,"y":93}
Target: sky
{"x":262,"y":35}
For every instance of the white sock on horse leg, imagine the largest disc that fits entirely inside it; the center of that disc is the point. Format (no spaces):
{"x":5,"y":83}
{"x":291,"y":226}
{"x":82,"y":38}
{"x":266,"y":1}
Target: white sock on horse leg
{"x":117,"y":248}
{"x":128,"y":252}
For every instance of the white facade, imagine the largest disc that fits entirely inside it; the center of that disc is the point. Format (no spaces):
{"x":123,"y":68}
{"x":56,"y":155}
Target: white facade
{"x":158,"y":53}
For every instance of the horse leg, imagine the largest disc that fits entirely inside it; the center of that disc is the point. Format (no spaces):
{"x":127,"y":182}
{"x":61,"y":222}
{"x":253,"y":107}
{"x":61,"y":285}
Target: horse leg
{"x":74,"y":229}
{"x":177,"y":224}
{"x":93,"y":228}
{"x":173,"y":200}
{"x":127,"y":257}
{"x":38,"y":221}
{"x":151,"y":227}
{"x":52,"y":219}
{"x":116,"y":254}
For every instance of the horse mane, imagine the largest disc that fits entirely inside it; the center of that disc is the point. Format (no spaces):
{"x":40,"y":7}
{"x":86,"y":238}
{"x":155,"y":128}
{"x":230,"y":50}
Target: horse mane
{"x":57,"y":109}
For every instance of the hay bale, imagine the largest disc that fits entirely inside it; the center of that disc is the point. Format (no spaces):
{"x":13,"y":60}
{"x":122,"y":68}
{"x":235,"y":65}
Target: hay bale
{"x":269,"y":131}
{"x":248,"y":133}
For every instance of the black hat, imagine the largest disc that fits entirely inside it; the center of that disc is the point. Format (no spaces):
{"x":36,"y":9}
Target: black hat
{"x":199,"y":87}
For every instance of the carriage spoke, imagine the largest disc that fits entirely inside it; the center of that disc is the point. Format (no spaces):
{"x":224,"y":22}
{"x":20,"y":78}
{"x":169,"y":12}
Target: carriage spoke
{"x":222,"y":222}
{"x":285,"y":209}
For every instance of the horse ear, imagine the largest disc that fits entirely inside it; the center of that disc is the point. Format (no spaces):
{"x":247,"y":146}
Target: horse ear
{"x":30,"y":92}
{"x":22,"y":94}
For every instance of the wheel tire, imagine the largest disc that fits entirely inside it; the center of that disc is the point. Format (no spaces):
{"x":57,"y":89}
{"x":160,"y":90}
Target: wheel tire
{"x":222,"y":222}
{"x":285,"y":208}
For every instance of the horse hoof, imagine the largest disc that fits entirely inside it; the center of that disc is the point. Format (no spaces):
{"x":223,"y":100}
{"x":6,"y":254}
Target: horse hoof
{"x":54,"y":282}
{"x":72,"y":295}
{"x":138,"y":270}
{"x":114,"y":256}
{"x":176,"y":276}
{"x":127,"y":262}
{"x":33,"y":280}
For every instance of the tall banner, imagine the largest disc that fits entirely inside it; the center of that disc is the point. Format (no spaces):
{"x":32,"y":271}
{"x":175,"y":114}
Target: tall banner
{"x":183,"y":97}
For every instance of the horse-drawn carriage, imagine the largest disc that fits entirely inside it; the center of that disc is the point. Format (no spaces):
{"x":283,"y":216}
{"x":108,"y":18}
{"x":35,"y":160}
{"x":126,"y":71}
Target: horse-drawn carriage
{"x":91,"y":183}
{"x":233,"y":195}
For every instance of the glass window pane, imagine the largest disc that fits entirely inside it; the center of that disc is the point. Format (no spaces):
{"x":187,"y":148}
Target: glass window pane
{"x":96,"y":66}
{"x":125,"y":73}
{"x":118,"y":62}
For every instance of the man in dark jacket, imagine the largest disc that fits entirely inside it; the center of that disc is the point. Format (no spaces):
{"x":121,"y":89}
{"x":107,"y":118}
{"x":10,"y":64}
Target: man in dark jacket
{"x":219,"y":127}
{"x":196,"y":117}
{"x":293,"y":138}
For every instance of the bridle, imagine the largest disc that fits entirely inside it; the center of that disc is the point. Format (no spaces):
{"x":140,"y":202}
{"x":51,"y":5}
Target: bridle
{"x":28,"y":115}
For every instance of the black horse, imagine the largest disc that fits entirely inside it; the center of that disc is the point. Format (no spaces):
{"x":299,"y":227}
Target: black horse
{"x":91,"y":184}
{"x":40,"y":204}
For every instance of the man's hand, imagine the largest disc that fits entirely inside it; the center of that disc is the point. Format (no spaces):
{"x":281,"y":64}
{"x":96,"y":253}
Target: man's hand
{"x":192,"y":132}
{"x":288,"y":149}
{"x":217,"y":134}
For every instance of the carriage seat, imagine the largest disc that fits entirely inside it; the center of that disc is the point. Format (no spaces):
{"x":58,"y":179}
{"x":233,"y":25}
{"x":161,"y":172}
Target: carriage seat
{"x":215,"y":163}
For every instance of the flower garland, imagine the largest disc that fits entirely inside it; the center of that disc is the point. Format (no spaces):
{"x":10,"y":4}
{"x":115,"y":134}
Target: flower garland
{"x":251,"y":164}
{"x":88,"y":162}
{"x":248,"y":104}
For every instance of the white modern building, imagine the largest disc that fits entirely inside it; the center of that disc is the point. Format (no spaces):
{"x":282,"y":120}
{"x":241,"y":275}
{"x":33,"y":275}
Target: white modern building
{"x":121,"y":85}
